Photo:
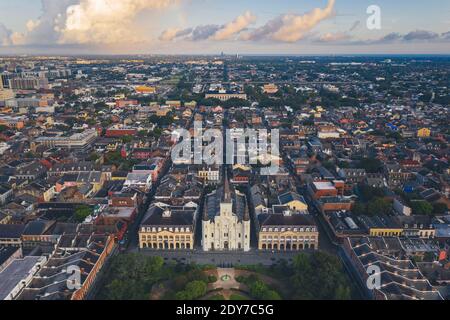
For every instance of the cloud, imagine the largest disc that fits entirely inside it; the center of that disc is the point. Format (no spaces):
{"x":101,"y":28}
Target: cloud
{"x":235,"y":27}
{"x":291,"y":27}
{"x":391,"y":37}
{"x":5,"y":35}
{"x":334,"y":37}
{"x":211,"y":31}
{"x":394,"y":37}
{"x":100,"y":24}
{"x":338,"y":36}
{"x":169,"y":34}
{"x":413,"y":36}
{"x":86,"y":22}
{"x":203,"y":32}
{"x":175,"y":33}
{"x":284,"y":28}
{"x":44,"y":30}
{"x":421,"y":35}
{"x":106,"y":21}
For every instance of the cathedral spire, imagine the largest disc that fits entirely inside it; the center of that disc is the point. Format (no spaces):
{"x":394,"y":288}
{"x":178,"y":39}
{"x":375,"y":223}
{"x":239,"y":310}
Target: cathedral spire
{"x":226,"y":198}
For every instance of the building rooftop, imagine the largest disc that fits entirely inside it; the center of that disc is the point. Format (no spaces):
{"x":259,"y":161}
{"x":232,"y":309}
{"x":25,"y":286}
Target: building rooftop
{"x":6,"y":253}
{"x":11,"y":230}
{"x":400,"y":278}
{"x":157,"y":216}
{"x":15,"y":272}
{"x":324,"y":185}
{"x":286,"y":220}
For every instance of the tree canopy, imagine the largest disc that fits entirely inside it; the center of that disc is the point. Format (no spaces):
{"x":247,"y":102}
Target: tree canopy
{"x":319,"y":276}
{"x":422,"y":207}
{"x":132,"y":277}
{"x":82,"y":212}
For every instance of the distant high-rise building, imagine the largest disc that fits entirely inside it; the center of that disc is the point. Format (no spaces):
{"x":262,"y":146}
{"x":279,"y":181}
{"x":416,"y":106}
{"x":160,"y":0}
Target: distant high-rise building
{"x":28,"y":83}
{"x":5,"y":77}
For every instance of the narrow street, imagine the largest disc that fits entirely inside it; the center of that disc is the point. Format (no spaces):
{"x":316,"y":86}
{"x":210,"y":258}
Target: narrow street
{"x":132,"y":238}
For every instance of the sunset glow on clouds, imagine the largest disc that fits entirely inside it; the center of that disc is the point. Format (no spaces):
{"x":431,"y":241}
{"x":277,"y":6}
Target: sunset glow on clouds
{"x":155,"y":25}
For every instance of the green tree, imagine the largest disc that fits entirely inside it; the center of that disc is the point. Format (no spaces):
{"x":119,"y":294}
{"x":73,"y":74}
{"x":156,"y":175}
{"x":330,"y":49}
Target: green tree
{"x":359,"y":208}
{"x":94,"y":156}
{"x":196,"y":289}
{"x":114,"y":158}
{"x":236,"y":102}
{"x":162,"y":121}
{"x":422,"y":207}
{"x":318,"y":276}
{"x":379,"y":206}
{"x":271,"y":295}
{"x":257,"y":289}
{"x":131,"y":277}
{"x":369,"y":193}
{"x":371,"y":165}
{"x":182,"y":295}
{"x":127,"y":139}
{"x":82,"y":212}
{"x":343,"y":293}
{"x":157,"y":132}
{"x":142,"y":133}
{"x":439,"y":208}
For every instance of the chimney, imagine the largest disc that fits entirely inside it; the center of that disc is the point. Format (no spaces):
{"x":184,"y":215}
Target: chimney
{"x":167,"y":213}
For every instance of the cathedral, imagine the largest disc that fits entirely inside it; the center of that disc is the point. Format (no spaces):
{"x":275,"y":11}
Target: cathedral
{"x":226,"y":220}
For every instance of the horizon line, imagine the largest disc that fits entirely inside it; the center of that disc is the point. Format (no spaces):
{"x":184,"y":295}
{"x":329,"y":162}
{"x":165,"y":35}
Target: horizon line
{"x":219,"y":54}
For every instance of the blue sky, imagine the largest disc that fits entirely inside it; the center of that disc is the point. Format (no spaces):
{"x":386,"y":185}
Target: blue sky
{"x":212,"y":26}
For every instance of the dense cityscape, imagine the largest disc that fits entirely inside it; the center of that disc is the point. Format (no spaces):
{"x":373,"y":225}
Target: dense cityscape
{"x":93,"y":204}
{"x":224,"y":159}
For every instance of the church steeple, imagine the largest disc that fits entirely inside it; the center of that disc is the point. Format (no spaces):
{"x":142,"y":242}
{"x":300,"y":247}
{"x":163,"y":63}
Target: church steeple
{"x":226,"y":197}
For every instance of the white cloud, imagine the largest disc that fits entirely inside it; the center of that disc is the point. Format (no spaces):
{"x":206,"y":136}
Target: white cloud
{"x":235,"y":27}
{"x":212,"y":31}
{"x":334,"y":37}
{"x":106,"y":21}
{"x":174,"y":33}
{"x":86,"y":22}
{"x":291,"y":27}
{"x":169,"y":34}
{"x":45,"y":29}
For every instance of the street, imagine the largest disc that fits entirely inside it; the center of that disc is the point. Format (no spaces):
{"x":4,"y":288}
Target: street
{"x":222,"y":259}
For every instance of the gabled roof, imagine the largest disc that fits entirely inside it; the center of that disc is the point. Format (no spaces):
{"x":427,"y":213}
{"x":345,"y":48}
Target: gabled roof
{"x":289,"y":197}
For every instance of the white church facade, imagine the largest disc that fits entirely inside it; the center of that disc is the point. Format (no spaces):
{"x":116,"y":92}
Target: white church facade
{"x":226,"y":221}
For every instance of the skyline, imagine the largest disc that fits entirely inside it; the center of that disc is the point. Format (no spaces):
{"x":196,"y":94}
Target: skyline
{"x":290,"y":27}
